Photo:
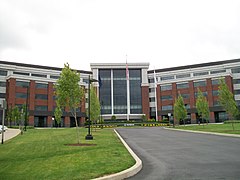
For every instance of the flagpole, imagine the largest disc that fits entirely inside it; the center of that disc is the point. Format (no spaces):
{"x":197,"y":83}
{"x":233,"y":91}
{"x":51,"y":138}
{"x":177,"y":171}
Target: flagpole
{"x":128,"y":91}
{"x":155,"y":93}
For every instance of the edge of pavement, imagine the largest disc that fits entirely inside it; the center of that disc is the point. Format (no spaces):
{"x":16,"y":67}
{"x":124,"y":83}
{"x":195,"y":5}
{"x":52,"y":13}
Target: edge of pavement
{"x":204,"y":132}
{"x":10,"y":133}
{"x":128,"y":172}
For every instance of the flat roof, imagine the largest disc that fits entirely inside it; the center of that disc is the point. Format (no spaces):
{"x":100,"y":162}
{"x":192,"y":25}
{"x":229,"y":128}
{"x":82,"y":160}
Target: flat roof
{"x":195,"y":66}
{"x":40,"y":66}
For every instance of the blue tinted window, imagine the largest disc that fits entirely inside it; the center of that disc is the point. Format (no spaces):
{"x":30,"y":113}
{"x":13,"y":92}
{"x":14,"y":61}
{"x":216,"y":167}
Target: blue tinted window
{"x":41,"y":96}
{"x":21,"y":95}
{"x":22,"y":84}
{"x":105,"y":90}
{"x":41,"y":108}
{"x":41,"y":86}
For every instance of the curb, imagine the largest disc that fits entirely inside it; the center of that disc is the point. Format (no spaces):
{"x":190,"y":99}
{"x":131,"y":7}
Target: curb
{"x":11,"y":133}
{"x":128,"y":172}
{"x":202,"y":132}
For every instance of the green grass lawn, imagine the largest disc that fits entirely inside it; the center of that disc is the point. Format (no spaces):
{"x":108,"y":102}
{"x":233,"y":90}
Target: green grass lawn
{"x":42,"y":154}
{"x":220,"y":128}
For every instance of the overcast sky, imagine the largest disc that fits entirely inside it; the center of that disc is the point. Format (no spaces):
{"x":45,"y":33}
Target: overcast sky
{"x":165,"y":33}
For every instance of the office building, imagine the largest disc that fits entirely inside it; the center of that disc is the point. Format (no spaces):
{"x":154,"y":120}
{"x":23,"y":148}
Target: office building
{"x":125,"y":91}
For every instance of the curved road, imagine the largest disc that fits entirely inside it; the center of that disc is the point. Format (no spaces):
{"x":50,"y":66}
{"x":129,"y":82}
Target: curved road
{"x":183,"y":155}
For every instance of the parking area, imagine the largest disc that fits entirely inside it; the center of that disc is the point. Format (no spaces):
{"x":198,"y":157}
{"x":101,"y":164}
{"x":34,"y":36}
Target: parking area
{"x":183,"y":155}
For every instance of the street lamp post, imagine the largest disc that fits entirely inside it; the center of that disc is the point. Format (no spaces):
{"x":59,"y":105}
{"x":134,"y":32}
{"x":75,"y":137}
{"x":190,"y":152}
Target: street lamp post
{"x":26,"y":110}
{"x":89,"y":136}
{"x":4,"y":108}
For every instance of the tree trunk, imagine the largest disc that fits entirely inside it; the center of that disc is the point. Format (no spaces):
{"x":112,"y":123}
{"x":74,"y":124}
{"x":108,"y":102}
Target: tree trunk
{"x":78,"y":140}
{"x":233,"y":125}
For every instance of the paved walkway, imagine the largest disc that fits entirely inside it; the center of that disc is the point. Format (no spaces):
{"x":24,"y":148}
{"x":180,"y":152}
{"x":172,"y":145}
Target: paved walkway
{"x":10,"y":133}
{"x":183,"y":155}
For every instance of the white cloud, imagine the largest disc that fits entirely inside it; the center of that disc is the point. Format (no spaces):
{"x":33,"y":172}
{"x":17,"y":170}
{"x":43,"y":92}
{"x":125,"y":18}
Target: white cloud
{"x":164,"y":33}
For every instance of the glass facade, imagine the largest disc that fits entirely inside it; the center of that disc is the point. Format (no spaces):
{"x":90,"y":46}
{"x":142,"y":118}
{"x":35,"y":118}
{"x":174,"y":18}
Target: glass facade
{"x":135,"y":91}
{"x":105,"y":90}
{"x":114,"y":85}
{"x":119,"y":91}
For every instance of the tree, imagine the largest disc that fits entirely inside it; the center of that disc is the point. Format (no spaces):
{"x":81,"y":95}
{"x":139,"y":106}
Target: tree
{"x":226,"y":99}
{"x":13,"y":115}
{"x":202,"y":106}
{"x":9,"y":115}
{"x":16,"y":115}
{"x":180,"y":112}
{"x":69,"y":93}
{"x":58,"y":114}
{"x":95,"y":105}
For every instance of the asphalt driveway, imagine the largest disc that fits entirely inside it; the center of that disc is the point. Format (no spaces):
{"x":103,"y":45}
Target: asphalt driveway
{"x":183,"y":155}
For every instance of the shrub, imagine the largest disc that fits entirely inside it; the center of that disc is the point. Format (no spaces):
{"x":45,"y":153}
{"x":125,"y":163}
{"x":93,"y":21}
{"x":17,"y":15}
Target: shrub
{"x":113,"y":117}
{"x":231,"y":121}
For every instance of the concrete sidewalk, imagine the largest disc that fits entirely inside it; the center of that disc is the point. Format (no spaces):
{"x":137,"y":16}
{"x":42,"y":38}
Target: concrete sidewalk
{"x":10,"y":133}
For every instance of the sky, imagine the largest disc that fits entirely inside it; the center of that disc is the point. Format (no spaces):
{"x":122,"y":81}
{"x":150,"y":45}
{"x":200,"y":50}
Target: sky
{"x":165,"y":33}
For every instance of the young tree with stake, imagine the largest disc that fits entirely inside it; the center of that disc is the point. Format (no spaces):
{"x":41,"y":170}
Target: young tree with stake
{"x":69,"y":93}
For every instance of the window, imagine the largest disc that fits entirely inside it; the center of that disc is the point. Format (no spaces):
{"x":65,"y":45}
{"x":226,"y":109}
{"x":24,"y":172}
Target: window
{"x":218,"y":71}
{"x":200,"y":83}
{"x":2,"y":84}
{"x":215,"y":81}
{"x":185,"y":96}
{"x":164,"y":78}
{"x":236,"y":81}
{"x":39,"y":75}
{"x":237,"y":91}
{"x":168,"y":107}
{"x":152,"y":99}
{"x":21,"y":73}
{"x":152,"y":109}
{"x":187,"y":106}
{"x":179,"y":76}
{"x":236,"y":70}
{"x":151,"y":80}
{"x":21,"y":95}
{"x":165,"y":98}
{"x":204,"y":94}
{"x":200,"y":73}
{"x":182,"y":85}
{"x":238,"y":102}
{"x":216,"y":103}
{"x":151,"y":89}
{"x":2,"y":95}
{"x":41,"y":86}
{"x":3,"y":73}
{"x":41,"y":96}
{"x":22,"y":84}
{"x":41,"y":108}
{"x":54,"y":77}
{"x":215,"y":92}
{"x":166,"y":87}
{"x":86,"y":80}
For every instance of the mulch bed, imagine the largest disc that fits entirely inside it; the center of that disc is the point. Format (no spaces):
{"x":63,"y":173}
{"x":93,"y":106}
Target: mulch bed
{"x":81,"y":144}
